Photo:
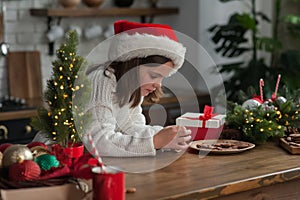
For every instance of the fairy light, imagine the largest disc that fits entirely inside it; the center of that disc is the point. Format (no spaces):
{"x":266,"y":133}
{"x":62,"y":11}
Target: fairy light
{"x":60,"y":68}
{"x":279,"y":127}
{"x":261,"y":130}
{"x":55,"y":83}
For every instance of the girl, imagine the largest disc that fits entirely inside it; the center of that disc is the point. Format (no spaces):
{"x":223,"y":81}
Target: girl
{"x":141,"y":56}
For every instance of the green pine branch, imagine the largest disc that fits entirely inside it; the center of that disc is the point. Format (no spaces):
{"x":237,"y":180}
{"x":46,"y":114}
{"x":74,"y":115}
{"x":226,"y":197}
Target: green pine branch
{"x":57,"y":120}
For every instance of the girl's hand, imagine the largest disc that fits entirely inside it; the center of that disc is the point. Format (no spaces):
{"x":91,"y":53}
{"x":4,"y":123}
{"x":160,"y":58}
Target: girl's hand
{"x":172,"y":137}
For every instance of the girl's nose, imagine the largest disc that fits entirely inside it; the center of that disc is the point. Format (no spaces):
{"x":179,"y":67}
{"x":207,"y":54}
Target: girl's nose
{"x":156,"y":85}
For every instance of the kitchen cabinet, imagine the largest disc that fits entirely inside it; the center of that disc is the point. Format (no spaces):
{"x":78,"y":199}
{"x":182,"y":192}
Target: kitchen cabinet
{"x":15,"y":128}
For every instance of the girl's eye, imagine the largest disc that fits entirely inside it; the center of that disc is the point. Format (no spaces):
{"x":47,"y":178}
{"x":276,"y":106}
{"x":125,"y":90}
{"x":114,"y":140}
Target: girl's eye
{"x":153,"y":76}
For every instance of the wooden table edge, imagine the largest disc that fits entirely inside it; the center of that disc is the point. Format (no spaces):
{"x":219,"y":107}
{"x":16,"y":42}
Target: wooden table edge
{"x":240,"y":185}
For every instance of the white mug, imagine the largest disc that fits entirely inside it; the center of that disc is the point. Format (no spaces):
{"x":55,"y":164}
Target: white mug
{"x":77,"y":29}
{"x":93,"y":32}
{"x":55,"y":33}
{"x":109,"y":32}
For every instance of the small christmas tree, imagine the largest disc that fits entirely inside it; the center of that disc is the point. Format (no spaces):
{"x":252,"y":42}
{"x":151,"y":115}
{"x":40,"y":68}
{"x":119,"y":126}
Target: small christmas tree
{"x":67,"y":82}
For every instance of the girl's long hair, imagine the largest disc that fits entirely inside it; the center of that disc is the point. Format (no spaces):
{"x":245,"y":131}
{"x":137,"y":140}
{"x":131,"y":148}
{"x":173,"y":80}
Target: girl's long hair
{"x":128,"y":86}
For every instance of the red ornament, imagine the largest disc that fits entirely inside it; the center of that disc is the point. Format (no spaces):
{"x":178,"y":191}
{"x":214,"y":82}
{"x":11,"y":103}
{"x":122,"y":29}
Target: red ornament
{"x":24,"y":171}
{"x":34,"y":144}
{"x":4,"y":146}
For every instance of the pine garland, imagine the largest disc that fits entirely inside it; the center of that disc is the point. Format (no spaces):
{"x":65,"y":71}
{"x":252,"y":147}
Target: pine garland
{"x":67,"y":82}
{"x":269,"y":120}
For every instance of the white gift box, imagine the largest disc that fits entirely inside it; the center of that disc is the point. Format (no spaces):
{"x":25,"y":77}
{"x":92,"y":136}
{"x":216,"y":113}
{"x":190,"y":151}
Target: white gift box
{"x":202,"y":127}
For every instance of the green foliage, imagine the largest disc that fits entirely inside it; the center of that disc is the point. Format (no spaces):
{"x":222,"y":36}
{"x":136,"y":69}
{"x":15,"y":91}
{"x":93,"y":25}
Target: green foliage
{"x":57,"y":119}
{"x":266,"y":121}
{"x":231,"y":41}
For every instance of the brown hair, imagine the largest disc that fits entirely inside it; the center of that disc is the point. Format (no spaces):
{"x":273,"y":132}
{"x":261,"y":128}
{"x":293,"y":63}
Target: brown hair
{"x":128,"y":89}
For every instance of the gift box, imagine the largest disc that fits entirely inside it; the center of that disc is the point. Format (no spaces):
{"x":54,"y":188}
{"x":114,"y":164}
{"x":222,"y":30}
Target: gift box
{"x":203,"y":125}
{"x":61,"y":192}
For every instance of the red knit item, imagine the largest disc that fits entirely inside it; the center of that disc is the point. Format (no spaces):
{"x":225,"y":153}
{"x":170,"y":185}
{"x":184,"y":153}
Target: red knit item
{"x":142,"y":28}
{"x":33,"y":144}
{"x":24,"y":171}
{"x":4,"y":146}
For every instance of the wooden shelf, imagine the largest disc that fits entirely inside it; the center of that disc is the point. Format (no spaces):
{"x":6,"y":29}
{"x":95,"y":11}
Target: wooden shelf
{"x":13,"y":115}
{"x":95,"y":12}
{"x":105,"y":12}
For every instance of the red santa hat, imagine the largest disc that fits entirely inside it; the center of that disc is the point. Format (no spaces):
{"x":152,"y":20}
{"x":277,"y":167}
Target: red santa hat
{"x":139,"y":40}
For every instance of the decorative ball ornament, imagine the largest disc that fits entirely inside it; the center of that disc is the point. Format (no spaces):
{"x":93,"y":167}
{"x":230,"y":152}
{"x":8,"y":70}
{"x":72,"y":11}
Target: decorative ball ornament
{"x":34,"y":144}
{"x":46,"y":161}
{"x":16,"y":153}
{"x":251,"y":104}
{"x":280,"y":100}
{"x":24,"y":171}
{"x":4,"y":146}
{"x":38,"y":150}
{"x":267,"y":105}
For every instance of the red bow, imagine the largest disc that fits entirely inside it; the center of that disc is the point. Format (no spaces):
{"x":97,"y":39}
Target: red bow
{"x":207,"y":115}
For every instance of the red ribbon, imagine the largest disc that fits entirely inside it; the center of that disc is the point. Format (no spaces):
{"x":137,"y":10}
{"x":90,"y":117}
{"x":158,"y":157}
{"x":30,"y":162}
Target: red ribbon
{"x":207,"y":115}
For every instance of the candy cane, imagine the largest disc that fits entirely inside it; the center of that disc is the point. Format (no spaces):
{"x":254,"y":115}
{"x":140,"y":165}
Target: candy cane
{"x":276,"y":87}
{"x":261,"y":84}
{"x":95,"y":151}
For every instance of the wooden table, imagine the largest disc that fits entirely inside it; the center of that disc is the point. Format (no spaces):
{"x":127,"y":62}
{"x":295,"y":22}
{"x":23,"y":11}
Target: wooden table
{"x":265,"y":172}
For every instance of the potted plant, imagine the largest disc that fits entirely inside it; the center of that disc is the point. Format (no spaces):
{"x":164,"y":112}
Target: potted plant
{"x":231,"y":41}
{"x":57,"y":118}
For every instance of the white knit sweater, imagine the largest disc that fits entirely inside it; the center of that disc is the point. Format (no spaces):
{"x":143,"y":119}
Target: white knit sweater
{"x":117,"y":131}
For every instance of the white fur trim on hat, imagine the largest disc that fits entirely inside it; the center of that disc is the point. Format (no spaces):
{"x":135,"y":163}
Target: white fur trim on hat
{"x":125,"y":47}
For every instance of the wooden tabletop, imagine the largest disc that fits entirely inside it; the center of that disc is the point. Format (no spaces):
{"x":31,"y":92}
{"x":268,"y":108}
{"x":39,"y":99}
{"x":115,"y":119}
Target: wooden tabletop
{"x":196,"y":177}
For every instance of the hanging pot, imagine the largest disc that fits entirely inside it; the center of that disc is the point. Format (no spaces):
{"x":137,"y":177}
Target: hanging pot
{"x":69,"y":3}
{"x":123,"y":3}
{"x":93,"y":3}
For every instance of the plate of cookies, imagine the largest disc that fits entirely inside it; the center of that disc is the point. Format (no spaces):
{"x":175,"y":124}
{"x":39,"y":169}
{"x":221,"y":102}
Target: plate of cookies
{"x":221,"y":146}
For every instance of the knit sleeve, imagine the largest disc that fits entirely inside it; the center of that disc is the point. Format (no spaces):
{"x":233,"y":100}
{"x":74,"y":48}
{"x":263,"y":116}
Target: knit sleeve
{"x":137,"y":122}
{"x":109,"y":138}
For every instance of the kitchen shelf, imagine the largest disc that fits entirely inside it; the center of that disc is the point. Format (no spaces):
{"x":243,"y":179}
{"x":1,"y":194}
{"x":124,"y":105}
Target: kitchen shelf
{"x":105,"y":12}
{"x":96,"y":12}
{"x":13,"y":115}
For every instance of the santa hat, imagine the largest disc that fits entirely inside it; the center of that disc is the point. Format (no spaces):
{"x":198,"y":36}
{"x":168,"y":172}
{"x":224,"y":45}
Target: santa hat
{"x":139,"y":40}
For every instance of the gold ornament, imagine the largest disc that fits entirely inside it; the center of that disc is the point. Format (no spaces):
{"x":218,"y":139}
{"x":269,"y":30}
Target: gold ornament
{"x":38,"y":150}
{"x":16,"y":153}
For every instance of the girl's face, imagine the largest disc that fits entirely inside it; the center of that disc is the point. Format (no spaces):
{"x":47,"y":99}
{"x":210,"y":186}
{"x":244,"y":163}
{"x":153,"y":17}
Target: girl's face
{"x":151,"y":77}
